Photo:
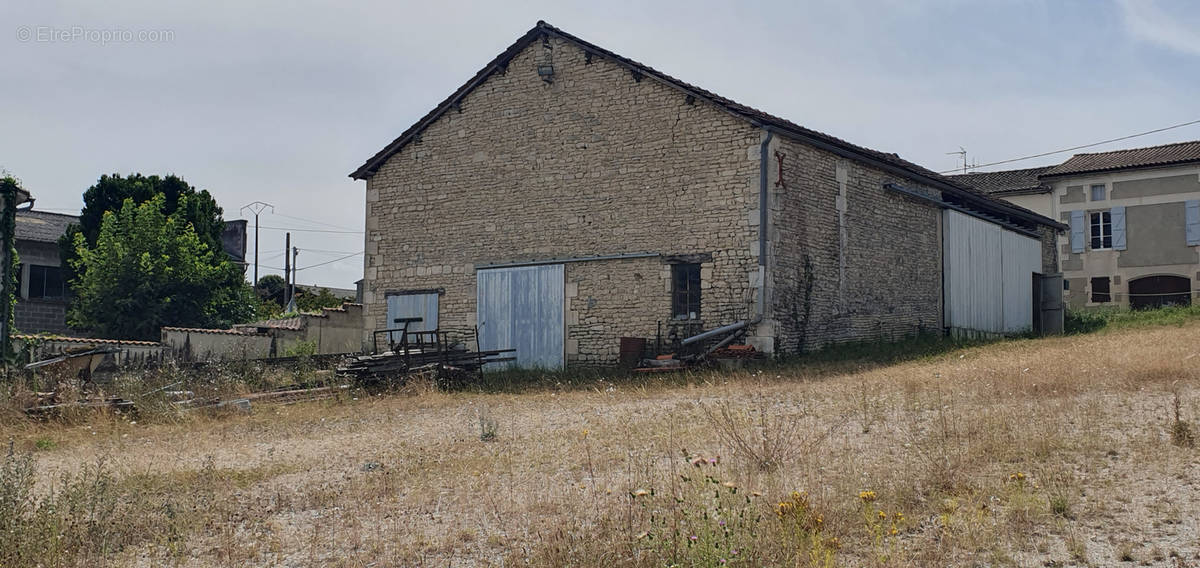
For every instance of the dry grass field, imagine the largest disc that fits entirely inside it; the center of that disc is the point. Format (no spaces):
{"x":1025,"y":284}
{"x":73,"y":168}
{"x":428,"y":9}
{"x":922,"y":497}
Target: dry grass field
{"x":1070,"y":451}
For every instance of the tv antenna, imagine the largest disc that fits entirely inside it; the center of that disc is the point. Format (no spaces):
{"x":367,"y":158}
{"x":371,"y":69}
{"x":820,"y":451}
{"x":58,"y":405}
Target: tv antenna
{"x":962,"y":154}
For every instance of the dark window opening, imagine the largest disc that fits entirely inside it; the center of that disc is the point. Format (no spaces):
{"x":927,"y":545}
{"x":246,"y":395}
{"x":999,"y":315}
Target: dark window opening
{"x":685,"y":291}
{"x":1101,"y":230}
{"x":1100,"y":290}
{"x":46,"y":282}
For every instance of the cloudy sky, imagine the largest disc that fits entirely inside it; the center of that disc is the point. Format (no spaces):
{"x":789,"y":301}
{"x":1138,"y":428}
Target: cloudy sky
{"x":279,"y":101}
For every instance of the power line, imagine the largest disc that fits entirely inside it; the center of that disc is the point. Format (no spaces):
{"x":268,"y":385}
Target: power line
{"x":313,"y":230}
{"x":1156,"y":130}
{"x":331,"y":251}
{"x":310,"y":221}
{"x":329,"y":261}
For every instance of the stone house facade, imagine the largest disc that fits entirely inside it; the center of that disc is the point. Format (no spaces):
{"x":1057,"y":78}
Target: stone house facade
{"x":567,"y":187}
{"x":1134,"y":216}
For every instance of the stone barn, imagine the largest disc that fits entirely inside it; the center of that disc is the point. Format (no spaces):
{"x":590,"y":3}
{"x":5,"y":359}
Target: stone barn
{"x":566,"y":197}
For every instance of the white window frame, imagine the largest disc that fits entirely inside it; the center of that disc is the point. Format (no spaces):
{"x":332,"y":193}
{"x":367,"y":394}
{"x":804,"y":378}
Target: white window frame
{"x":1103,"y":192}
{"x":1099,"y":228}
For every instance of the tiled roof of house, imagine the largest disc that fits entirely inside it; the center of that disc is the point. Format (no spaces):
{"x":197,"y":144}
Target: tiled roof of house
{"x":1007,"y":182}
{"x":42,"y":226}
{"x":752,"y":115}
{"x":1152,"y":156}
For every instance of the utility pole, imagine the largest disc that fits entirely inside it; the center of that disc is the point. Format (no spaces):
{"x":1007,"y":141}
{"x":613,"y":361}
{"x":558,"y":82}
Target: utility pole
{"x":257,"y":207}
{"x":287,"y":270}
{"x":295,"y":265}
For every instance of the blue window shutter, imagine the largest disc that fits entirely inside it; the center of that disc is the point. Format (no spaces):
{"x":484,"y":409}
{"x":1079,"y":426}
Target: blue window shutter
{"x":1193,"y":222}
{"x":1118,"y":228}
{"x":1077,"y":227}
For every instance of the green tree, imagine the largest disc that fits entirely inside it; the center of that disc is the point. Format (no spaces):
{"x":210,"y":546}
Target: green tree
{"x":110,"y":192}
{"x":270,"y":289}
{"x":148,"y":269}
{"x":310,"y":302}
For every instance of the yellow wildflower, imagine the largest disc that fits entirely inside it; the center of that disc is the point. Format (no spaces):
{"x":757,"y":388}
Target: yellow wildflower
{"x":867,"y":496}
{"x":785,"y":508}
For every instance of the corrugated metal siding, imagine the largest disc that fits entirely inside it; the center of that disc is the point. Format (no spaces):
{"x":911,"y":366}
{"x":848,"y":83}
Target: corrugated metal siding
{"x":988,"y":274}
{"x":424,"y":306}
{"x":522,"y":308}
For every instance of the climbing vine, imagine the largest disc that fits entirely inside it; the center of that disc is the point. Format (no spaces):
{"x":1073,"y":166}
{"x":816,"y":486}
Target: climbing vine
{"x":10,"y":188}
{"x":800,"y":303}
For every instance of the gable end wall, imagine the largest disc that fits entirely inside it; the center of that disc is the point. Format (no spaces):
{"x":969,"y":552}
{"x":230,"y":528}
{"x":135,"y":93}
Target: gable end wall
{"x":593,"y":163}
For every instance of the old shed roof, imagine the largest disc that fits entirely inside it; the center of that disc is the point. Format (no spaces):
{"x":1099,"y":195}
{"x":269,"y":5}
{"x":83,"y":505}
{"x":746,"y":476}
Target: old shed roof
{"x":886,"y":161}
{"x":1151,"y":156}
{"x":42,"y":226}
{"x":1007,"y":182}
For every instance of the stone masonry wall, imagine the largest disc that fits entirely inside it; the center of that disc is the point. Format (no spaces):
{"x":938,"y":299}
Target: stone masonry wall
{"x":1049,"y":250}
{"x":850,"y":260}
{"x":612,"y":299}
{"x":596,"y":162}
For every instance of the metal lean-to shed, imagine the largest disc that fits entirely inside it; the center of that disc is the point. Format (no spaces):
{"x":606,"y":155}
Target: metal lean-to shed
{"x":989,"y":276}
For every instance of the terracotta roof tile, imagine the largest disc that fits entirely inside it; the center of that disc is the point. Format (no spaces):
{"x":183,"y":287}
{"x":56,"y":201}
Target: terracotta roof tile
{"x":202,"y":330}
{"x":85,"y":340}
{"x":1151,"y":156}
{"x":1006,"y":182}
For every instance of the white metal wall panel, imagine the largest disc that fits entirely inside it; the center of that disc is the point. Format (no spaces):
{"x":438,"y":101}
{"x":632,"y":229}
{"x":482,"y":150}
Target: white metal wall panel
{"x":424,"y":306}
{"x":522,"y":308}
{"x":988,"y":275}
{"x":1021,"y":257}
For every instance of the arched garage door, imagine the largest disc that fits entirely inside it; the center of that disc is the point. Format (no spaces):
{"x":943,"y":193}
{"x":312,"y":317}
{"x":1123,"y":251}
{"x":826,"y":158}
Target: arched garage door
{"x":1158,"y":291}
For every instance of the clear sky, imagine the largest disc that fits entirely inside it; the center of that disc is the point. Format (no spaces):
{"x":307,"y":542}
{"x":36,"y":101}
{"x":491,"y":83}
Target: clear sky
{"x":279,"y":101}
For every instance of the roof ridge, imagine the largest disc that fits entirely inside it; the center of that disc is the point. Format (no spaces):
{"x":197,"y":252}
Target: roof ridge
{"x":1139,"y":148}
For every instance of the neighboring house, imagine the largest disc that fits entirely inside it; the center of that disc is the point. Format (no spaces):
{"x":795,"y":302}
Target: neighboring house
{"x":566,"y":197}
{"x":44,"y":290}
{"x":42,"y":304}
{"x":1019,"y":187}
{"x":1134,"y":217}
